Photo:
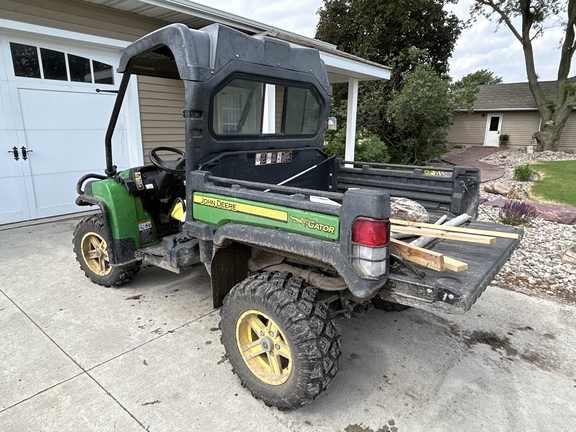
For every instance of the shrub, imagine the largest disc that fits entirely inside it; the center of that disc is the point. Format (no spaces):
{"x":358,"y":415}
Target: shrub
{"x":523,"y":172}
{"x":517,"y":213}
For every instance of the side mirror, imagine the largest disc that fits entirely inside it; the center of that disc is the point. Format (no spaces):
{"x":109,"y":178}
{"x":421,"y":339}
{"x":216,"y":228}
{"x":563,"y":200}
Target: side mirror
{"x":332,"y":123}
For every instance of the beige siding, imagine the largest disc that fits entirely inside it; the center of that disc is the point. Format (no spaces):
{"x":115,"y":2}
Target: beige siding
{"x":79,"y":17}
{"x":568,"y":139}
{"x":279,"y":107}
{"x":520,"y":125}
{"x":467,"y":129}
{"x":161,"y":107}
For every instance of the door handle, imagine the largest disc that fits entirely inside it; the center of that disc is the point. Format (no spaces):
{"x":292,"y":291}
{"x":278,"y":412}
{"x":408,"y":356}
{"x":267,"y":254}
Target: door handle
{"x":14,"y":151}
{"x":25,"y":152}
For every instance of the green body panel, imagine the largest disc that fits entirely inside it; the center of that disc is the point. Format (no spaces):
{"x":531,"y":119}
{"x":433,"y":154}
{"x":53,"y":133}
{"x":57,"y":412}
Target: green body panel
{"x":128,"y":219}
{"x":220,"y":210}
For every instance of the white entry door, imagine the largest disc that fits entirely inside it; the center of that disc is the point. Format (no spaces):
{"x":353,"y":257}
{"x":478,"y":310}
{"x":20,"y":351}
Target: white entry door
{"x":493,"y":130}
{"x":53,"y":116}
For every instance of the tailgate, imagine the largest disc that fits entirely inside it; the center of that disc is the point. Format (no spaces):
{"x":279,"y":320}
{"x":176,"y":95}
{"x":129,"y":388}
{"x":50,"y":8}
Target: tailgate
{"x":448,"y":291}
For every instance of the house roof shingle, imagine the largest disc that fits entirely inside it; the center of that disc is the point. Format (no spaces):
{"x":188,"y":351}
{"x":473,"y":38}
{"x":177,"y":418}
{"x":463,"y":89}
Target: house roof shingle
{"x":514,"y":96}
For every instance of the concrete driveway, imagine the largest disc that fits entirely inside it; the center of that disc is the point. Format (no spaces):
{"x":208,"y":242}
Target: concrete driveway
{"x":75,"y":356}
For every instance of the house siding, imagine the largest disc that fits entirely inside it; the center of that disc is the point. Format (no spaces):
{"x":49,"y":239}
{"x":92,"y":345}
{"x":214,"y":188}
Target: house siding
{"x":79,"y":17}
{"x":568,"y":139}
{"x":469,"y":129}
{"x":520,"y":125}
{"x":161,"y":107}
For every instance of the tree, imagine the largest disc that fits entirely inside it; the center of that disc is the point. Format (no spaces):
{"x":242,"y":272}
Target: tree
{"x":535,"y":16}
{"x":384,"y":30}
{"x":397,"y":33}
{"x":480,"y":77}
{"x":422,"y":112}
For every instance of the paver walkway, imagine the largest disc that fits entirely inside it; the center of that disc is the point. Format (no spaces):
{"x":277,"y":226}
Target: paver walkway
{"x":470,"y":158}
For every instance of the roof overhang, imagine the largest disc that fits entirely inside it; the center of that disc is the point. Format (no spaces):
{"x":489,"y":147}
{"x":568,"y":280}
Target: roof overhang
{"x":340,"y":66}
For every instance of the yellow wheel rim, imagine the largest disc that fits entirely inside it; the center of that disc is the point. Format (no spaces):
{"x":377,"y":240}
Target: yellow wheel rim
{"x":263,"y":347}
{"x":95,"y":253}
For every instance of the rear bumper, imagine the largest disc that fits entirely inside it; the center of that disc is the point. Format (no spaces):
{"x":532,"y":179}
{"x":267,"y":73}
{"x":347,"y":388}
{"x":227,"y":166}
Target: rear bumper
{"x":452,"y":292}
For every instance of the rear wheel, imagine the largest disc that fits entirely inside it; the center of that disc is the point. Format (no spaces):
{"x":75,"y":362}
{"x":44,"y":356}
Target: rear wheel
{"x":279,"y":339}
{"x":91,"y":246}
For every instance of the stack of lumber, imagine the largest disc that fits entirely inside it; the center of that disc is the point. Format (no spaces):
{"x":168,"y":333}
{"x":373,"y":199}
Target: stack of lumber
{"x":433,"y":260}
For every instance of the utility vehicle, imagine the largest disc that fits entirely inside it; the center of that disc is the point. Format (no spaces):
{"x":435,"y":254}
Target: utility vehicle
{"x":292,"y":239}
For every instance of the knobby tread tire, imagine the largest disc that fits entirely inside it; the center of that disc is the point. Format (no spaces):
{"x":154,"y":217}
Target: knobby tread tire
{"x":119,"y":275}
{"x":313,"y":338}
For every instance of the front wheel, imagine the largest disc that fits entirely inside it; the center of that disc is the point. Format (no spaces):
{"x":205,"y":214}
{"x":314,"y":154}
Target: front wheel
{"x":91,"y":246}
{"x":279,"y":339}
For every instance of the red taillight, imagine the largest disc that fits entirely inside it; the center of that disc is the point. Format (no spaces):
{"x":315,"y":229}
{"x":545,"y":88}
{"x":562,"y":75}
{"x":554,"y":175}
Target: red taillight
{"x":370,"y":232}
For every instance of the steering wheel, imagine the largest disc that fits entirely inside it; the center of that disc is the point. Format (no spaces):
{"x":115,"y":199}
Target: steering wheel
{"x":174,"y":167}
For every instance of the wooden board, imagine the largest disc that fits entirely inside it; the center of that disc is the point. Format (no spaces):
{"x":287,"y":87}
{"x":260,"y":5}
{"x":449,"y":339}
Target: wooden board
{"x":439,"y":233}
{"x":457,"y":229}
{"x":427,"y":258}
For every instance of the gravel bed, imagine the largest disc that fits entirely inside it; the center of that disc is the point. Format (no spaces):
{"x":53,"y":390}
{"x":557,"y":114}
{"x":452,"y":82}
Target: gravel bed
{"x":536,"y":267}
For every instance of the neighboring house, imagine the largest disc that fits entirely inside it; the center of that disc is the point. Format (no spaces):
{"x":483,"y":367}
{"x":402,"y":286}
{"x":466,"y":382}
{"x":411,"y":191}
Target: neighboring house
{"x":507,"y":109}
{"x":55,"y":54}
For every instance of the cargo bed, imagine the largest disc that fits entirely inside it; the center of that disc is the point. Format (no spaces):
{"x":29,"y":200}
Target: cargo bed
{"x":448,"y":291}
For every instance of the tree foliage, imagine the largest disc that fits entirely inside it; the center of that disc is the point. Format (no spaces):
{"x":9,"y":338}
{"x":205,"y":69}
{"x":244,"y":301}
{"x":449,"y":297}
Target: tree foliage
{"x":399,"y":33}
{"x":478,"y":78}
{"x":534,"y":17}
{"x":383,"y":31}
{"x":422,"y":112}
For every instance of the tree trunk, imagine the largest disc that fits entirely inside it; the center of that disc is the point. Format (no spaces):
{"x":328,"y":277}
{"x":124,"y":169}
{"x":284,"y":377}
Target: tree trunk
{"x":548,"y":138}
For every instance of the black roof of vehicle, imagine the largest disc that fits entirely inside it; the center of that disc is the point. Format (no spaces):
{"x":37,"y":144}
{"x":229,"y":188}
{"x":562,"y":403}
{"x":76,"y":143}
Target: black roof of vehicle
{"x":176,"y":51}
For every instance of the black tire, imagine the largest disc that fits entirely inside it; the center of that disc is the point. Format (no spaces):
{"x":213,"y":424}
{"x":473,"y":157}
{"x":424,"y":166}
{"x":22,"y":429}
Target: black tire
{"x":91,"y":248}
{"x":301,"y":336}
{"x":388,"y":306}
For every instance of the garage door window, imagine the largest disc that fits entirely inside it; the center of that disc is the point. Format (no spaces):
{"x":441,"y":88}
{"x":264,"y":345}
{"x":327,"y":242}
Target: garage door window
{"x":33,"y":62}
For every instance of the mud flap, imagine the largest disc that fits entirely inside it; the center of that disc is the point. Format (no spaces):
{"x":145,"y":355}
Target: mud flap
{"x":229,"y":267}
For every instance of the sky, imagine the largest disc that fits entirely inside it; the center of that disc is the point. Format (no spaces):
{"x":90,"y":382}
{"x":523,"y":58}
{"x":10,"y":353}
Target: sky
{"x":479,"y":47}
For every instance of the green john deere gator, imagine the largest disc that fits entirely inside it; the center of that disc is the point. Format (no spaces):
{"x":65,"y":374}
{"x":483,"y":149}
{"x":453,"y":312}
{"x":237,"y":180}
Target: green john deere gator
{"x":292,"y":239}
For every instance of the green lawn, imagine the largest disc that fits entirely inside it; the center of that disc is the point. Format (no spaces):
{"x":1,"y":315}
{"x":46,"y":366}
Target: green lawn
{"x":557,"y":184}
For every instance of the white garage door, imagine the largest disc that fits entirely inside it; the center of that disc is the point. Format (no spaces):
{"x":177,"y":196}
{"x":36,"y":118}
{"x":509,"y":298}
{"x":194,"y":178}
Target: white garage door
{"x":53,"y":123}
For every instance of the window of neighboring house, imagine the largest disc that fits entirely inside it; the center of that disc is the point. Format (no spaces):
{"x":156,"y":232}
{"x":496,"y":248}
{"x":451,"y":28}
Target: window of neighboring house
{"x":33,"y":62}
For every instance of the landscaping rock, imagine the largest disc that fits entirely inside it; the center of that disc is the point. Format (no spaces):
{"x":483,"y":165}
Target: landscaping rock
{"x":405,"y":209}
{"x":569,"y":256}
{"x":497,"y":188}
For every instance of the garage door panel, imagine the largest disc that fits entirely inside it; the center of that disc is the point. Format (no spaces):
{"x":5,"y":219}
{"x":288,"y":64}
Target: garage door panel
{"x":51,"y":197}
{"x":65,"y":110}
{"x":84,"y":151}
{"x":14,"y":204}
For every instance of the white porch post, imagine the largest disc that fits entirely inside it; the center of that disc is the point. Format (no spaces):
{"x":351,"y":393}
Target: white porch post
{"x":351,"y":118}
{"x":269,"y":120}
